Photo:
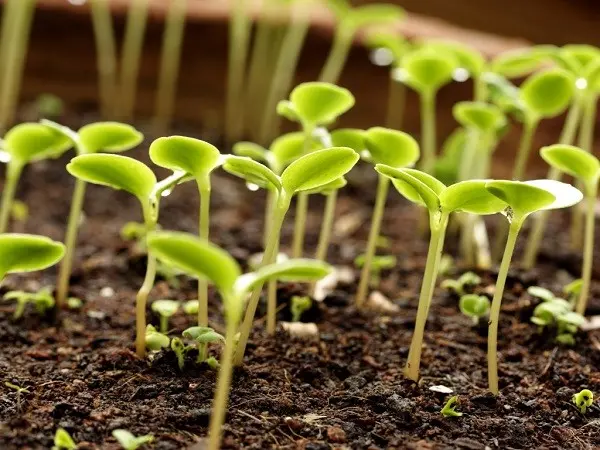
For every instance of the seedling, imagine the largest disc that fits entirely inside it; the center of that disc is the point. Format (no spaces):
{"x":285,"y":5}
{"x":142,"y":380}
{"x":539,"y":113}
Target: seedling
{"x":583,"y":400}
{"x":49,"y":106}
{"x":203,"y":259}
{"x":128,"y":174}
{"x":27,"y":253}
{"x":474,"y":306}
{"x":198,"y":159}
{"x":521,"y":62}
{"x":203,"y":336}
{"x":112,"y":137}
{"x":541,"y":293}
{"x":155,"y":340}
{"x":42,"y":300}
{"x":308,"y":172}
{"x":423,"y":189}
{"x":130,"y":442}
{"x":585,"y":167}
{"x":191,"y":307}
{"x":165,"y":309}
{"x":63,"y":440}
{"x":573,"y":290}
{"x":522,"y":198}
{"x":557,"y":313}
{"x":395,"y":149}
{"x":299,"y":305}
{"x":20,"y":391}
{"x":460,"y":285}
{"x":180,"y":350}
{"x":26,"y":143}
{"x":378,"y":264}
{"x":449,"y":409}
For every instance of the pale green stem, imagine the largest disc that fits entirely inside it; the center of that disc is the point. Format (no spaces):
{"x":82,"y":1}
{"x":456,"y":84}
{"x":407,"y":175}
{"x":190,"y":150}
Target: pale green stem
{"x":436,"y":244}
{"x":588,"y":251}
{"x":64,"y":273}
{"x":268,"y":214}
{"x":106,"y":55}
{"x":169,"y":63}
{"x":10,"y":13}
{"x":13,"y":173}
{"x":480,"y":93}
{"x":428,"y":132}
{"x":540,"y":219}
{"x":239,"y":36}
{"x":202,"y":352}
{"x":141,"y":300}
{"x":342,"y":41}
{"x":529,"y":127}
{"x":203,"y":231}
{"x":300,"y":224}
{"x":219,"y":408}
{"x":326,"y":226}
{"x":383,"y":184}
{"x":272,"y":298}
{"x":513,"y":233}
{"x":396,"y":104}
{"x":164,"y":324}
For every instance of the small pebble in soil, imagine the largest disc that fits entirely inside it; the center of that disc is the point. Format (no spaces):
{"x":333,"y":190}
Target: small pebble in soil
{"x":107,"y":291}
{"x":336,"y":435}
{"x":441,"y":389}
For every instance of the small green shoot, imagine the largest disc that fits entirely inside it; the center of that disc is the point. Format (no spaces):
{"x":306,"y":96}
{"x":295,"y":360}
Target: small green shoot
{"x":378,"y":264}
{"x":130,"y":442}
{"x":556,"y":313}
{"x":203,"y":336}
{"x":180,"y":350}
{"x":573,"y":290}
{"x":19,"y":393}
{"x":520,"y":62}
{"x":460,"y":285}
{"x":449,"y":409}
{"x":42,"y":300}
{"x":583,"y":400}
{"x":191,"y":307}
{"x":474,"y":306}
{"x":299,"y":304}
{"x":63,"y":440}
{"x":165,"y":309}
{"x":27,"y":253}
{"x":155,"y":340}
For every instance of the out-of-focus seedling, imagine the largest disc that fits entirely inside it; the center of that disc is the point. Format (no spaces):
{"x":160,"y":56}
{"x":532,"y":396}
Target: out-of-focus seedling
{"x":458,"y":286}
{"x":42,"y":300}
{"x":521,"y":62}
{"x":63,"y":440}
{"x":130,"y":442}
{"x":522,"y":198}
{"x":203,"y":336}
{"x":299,"y":304}
{"x":203,"y":259}
{"x":449,"y":409}
{"x":180,"y":350}
{"x":541,"y":293}
{"x":191,"y":307}
{"x":49,"y":106}
{"x":27,"y":253}
{"x":155,"y":340}
{"x":165,"y":309}
{"x":19,"y":393}
{"x":583,"y":400}
{"x":474,"y":306}
{"x":556,"y":313}
{"x":573,"y":290}
{"x":378,"y":264}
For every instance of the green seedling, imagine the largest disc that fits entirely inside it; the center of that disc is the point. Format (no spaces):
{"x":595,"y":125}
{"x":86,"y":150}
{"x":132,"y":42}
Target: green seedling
{"x":440,"y":201}
{"x":583,"y":400}
{"x":63,"y":440}
{"x":19,"y":393}
{"x":49,"y":106}
{"x":191,"y":307}
{"x":27,"y":253}
{"x":521,"y":62}
{"x":349,"y":22}
{"x":557,"y":313}
{"x":460,"y":285}
{"x":474,"y":306}
{"x":130,"y":175}
{"x":74,"y":303}
{"x":299,"y":304}
{"x":378,"y":264}
{"x":585,"y":167}
{"x":541,"y":293}
{"x":312,"y":105}
{"x":311,"y":171}
{"x":449,"y":409}
{"x":573,"y":290}
{"x":165,"y":309}
{"x":203,"y":336}
{"x":198,"y":159}
{"x":203,"y":259}
{"x":180,"y":350}
{"x":522,"y":198}
{"x":23,"y":144}
{"x":42,"y":300}
{"x":394,"y":149}
{"x":155,"y":340}
{"x":130,"y":442}
{"x":112,"y":137}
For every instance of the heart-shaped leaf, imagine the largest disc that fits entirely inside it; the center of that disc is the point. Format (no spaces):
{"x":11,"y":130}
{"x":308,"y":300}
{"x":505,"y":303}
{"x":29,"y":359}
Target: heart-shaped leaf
{"x":522,"y":198}
{"x":391,"y":147}
{"x":27,"y":252}
{"x":115,"y":171}
{"x":548,"y":93}
{"x":189,"y":155}
{"x":474,"y":305}
{"x":574,"y":161}
{"x":372,"y":14}
{"x":481,"y":116}
{"x":252,"y":171}
{"x":318,"y":103}
{"x":427,"y":70}
{"x":416,"y":186}
{"x":470,"y":196}
{"x":111,"y":137}
{"x":34,"y":141}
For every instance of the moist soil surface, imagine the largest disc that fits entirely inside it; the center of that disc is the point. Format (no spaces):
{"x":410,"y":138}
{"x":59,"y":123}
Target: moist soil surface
{"x":344,"y":390}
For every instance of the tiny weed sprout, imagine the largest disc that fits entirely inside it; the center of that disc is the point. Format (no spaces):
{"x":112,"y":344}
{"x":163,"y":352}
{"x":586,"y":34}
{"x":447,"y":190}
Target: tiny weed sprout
{"x":165,"y":309}
{"x":474,"y":306}
{"x":203,"y":336}
{"x":19,"y":393}
{"x":522,"y":198}
{"x":128,"y":174}
{"x":198,"y":159}
{"x":460,"y":285}
{"x":449,"y":409}
{"x":130,"y":442}
{"x":541,"y":293}
{"x":42,"y":300}
{"x":27,"y":253}
{"x":203,"y":259}
{"x":191,"y":307}
{"x":440,"y":201}
{"x":299,"y":304}
{"x":23,"y":144}
{"x":583,"y":400}
{"x":155,"y":340}
{"x":180,"y":350}
{"x":394,"y":149}
{"x":63,"y":440}
{"x":585,"y":167}
{"x":378,"y":264}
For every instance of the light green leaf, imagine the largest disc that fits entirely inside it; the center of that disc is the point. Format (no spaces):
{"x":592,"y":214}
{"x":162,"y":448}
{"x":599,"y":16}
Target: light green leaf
{"x":165,"y":307}
{"x":393,"y":42}
{"x":189,"y":155}
{"x":518,"y":63}
{"x":540,"y":292}
{"x":426,"y":70}
{"x":113,"y":137}
{"x":578,"y":57}
{"x":574,"y":161}
{"x":63,"y":440}
{"x":565,"y":195}
{"x":130,"y":442}
{"x":373,"y":14}
{"x":349,"y":137}
{"x":287,"y":148}
{"x":416,"y":186}
{"x":27,"y":253}
{"x":318,"y":168}
{"x":390,"y":147}
{"x":286,"y":109}
{"x":479,"y":115}
{"x":470,"y":196}
{"x":252,"y":171}
{"x":156,"y":340}
{"x":115,"y":171}
{"x":33,"y":141}
{"x":474,"y":305}
{"x":251,"y":150}
{"x":328,"y":188}
{"x":548,"y":93}
{"x":467,"y":57}
{"x":318,"y":103}
{"x":522,"y":198}
{"x":203,"y":335}
{"x":340,"y":8}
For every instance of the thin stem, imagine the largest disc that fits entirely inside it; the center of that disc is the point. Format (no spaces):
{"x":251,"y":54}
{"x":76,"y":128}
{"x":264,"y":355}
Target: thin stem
{"x":268,"y":214}
{"x":169,"y":63}
{"x":164,"y":324}
{"x":436,"y":243}
{"x":342,"y":41}
{"x":13,"y":173}
{"x":300,"y":224}
{"x":222,"y":391}
{"x":513,"y":233}
{"x":326,"y":226}
{"x":396,"y":104}
{"x":529,"y":127}
{"x":428,"y":131}
{"x":588,"y":252}
{"x":203,"y":231}
{"x":106,"y":55}
{"x":381,"y":196}
{"x":272,"y":298}
{"x":141,"y":300}
{"x":64,"y":273}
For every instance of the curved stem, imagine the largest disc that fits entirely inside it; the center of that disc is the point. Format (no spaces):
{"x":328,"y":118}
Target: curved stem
{"x":13,"y":173}
{"x":513,"y":233}
{"x":338,"y":54}
{"x":588,"y":253}
{"x":64,"y":273}
{"x":529,"y":127}
{"x":141,"y":300}
{"x":383,"y":184}
{"x":428,"y":132}
{"x":107,"y":55}
{"x":300,"y":224}
{"x":203,"y":231}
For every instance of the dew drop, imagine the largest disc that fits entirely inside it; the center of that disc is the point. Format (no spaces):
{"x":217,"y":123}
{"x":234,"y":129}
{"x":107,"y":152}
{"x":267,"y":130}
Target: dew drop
{"x":581,"y":83}
{"x":381,"y":57}
{"x":252,"y":187}
{"x":460,"y":74}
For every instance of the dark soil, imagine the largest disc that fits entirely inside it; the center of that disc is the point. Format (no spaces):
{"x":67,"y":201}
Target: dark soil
{"x":345,"y":391}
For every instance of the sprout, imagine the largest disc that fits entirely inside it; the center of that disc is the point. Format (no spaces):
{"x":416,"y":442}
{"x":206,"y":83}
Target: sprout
{"x":63,"y":440}
{"x":25,"y":143}
{"x":475,"y":306}
{"x":521,"y":62}
{"x":465,"y":280}
{"x":522,"y":198}
{"x":573,"y":290}
{"x":541,"y":293}
{"x":180,"y":349}
{"x":198,"y":159}
{"x":49,"y":106}
{"x":191,"y":307}
{"x":165,"y":309}
{"x":154,"y":339}
{"x":203,"y":259}
{"x":583,"y":400}
{"x":128,"y":174}
{"x":378,"y":263}
{"x":130,"y":442}
{"x":299,"y":305}
{"x":203,"y":336}
{"x":27,"y":253}
{"x":42,"y":300}
{"x":309,"y":172}
{"x":395,"y":149}
{"x":449,"y":409}
{"x":556,"y":312}
{"x":466,"y":196}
